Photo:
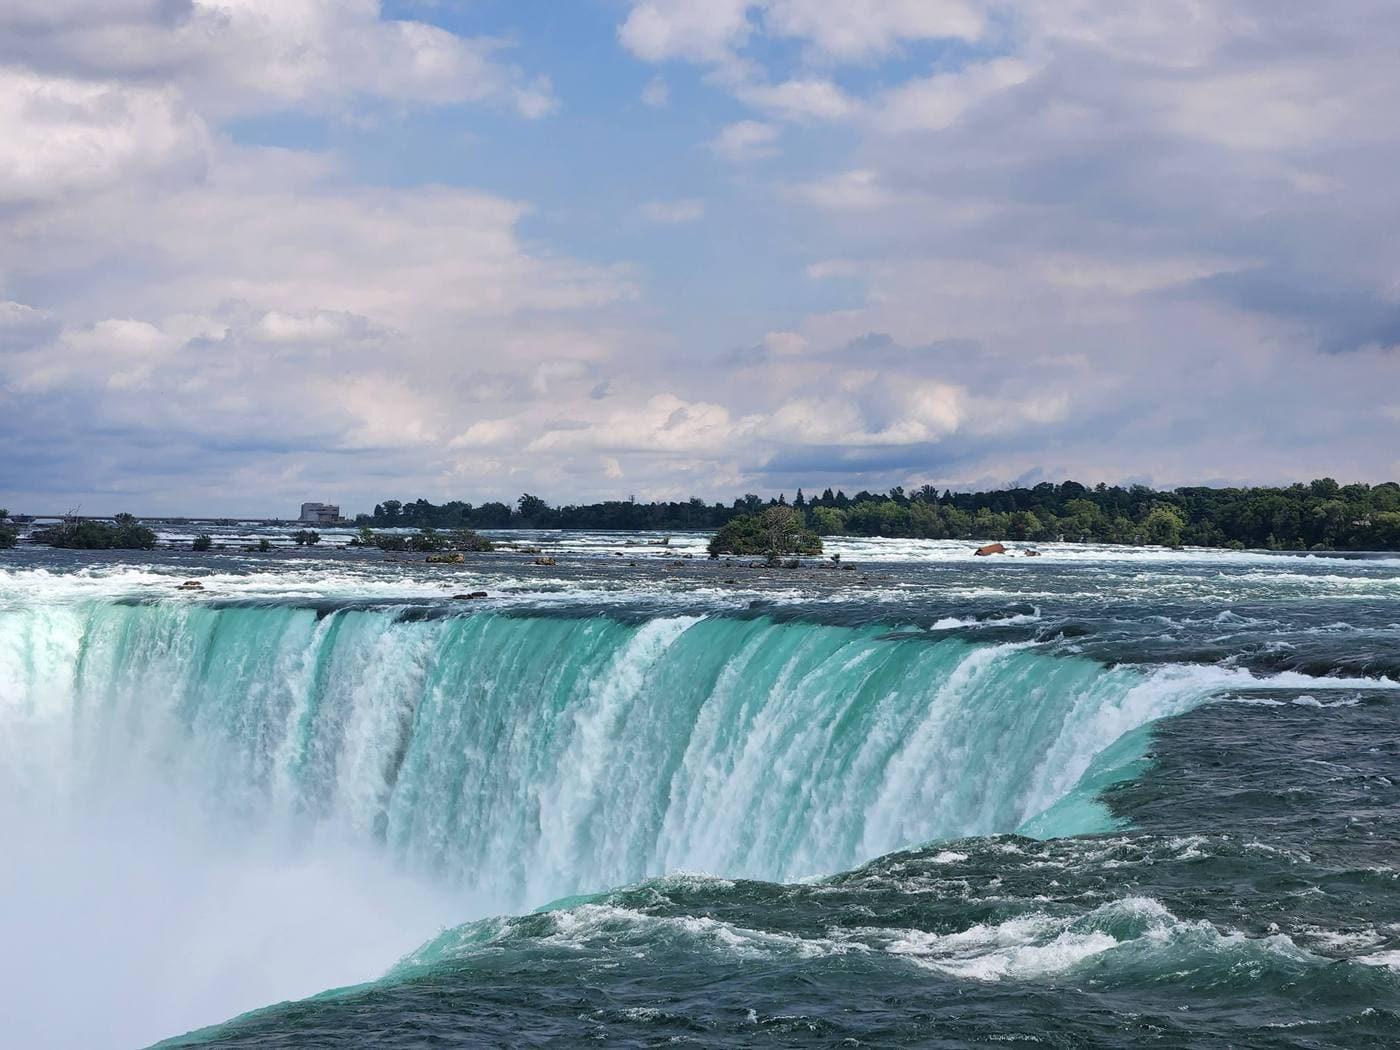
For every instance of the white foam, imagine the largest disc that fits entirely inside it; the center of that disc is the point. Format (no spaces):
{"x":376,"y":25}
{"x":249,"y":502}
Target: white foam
{"x":1389,"y":959}
{"x":592,"y":926}
{"x":1312,"y":701}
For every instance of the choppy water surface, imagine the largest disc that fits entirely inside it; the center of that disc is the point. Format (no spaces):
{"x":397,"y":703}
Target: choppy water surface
{"x":1098,"y":797}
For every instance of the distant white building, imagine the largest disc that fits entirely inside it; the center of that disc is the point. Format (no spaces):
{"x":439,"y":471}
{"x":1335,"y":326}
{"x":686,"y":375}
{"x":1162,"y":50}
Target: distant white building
{"x":320,"y":513}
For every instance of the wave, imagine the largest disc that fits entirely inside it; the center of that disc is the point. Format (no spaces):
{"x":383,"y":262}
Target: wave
{"x":1128,"y":941}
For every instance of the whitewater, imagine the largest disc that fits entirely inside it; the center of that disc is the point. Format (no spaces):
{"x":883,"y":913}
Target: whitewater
{"x":552,"y":811}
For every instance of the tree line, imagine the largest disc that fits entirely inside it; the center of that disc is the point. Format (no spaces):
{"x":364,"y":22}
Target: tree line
{"x":1320,"y":515}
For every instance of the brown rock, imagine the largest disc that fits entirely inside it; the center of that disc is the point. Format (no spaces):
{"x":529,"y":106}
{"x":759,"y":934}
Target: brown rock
{"x":991,"y":548}
{"x":544,"y":561}
{"x":1032,"y":554}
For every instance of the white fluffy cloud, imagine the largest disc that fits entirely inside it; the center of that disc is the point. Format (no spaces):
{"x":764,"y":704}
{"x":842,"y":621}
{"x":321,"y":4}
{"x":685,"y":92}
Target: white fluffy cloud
{"x":745,"y":140}
{"x":656,"y":30}
{"x":800,"y":100}
{"x":63,"y":135}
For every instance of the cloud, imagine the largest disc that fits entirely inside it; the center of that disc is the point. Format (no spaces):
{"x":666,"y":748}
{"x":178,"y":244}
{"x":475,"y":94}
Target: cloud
{"x":63,"y":136}
{"x":232,"y":57}
{"x":800,"y":100}
{"x":310,"y":328}
{"x":935,"y":102}
{"x":858,"y":190}
{"x":672,"y":212}
{"x":656,"y":30}
{"x":745,"y":140}
{"x":660,"y":30}
{"x":485,"y":433}
{"x":664,"y":423}
{"x":858,"y":32}
{"x":786,"y":344}
{"x":656,"y":94}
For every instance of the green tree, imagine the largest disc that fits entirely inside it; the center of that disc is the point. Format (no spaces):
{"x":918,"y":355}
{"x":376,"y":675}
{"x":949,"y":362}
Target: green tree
{"x":776,"y":532}
{"x":1385,"y":527}
{"x":532,"y":509}
{"x":1163,"y":526}
{"x":828,"y":521}
{"x":202,"y":542}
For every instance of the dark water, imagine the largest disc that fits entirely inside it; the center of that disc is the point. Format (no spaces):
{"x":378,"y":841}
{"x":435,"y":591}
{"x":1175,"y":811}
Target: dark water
{"x":1224,"y":867}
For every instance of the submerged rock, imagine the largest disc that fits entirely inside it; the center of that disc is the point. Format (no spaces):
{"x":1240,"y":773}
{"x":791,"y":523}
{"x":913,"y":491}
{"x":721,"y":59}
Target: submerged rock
{"x":446,"y":559}
{"x":190,"y":585}
{"x":470,"y":596}
{"x":544,"y":561}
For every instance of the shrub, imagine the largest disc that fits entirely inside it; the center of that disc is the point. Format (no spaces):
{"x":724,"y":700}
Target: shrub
{"x":471,"y":540}
{"x":202,"y":542}
{"x":124,"y":533}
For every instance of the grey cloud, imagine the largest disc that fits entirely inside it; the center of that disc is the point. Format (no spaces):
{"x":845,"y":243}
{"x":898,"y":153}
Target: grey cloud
{"x":1338,"y":319}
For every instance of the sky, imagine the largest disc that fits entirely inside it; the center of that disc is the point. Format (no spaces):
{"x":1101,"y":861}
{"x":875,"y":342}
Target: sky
{"x":255,"y":252}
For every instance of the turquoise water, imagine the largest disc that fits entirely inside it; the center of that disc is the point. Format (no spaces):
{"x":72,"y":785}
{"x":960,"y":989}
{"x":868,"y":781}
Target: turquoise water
{"x":523,"y":758}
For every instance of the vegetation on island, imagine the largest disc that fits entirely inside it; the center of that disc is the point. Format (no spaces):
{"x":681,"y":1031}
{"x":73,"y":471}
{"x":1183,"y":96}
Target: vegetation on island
{"x":306,"y":538}
{"x":9,"y":535}
{"x":1321,"y":515}
{"x":776,"y":533}
{"x":202,"y":542}
{"x":124,"y":532}
{"x":426,"y":540}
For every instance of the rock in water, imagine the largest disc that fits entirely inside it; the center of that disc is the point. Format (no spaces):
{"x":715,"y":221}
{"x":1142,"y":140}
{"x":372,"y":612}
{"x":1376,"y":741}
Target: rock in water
{"x":991,"y":548}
